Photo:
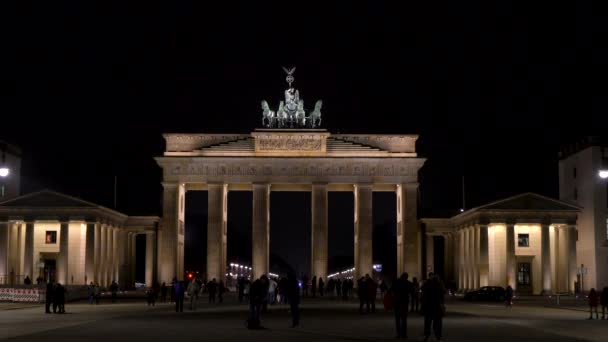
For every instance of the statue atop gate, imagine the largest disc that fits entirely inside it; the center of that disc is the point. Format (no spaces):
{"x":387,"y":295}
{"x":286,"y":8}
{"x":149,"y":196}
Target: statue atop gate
{"x":291,"y":113}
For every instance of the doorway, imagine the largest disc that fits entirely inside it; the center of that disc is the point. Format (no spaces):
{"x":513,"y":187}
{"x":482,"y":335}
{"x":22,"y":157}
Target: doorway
{"x":524,"y":277}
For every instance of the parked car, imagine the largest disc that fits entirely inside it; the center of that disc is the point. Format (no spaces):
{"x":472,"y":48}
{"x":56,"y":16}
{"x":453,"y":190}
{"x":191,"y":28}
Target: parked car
{"x":486,"y":293}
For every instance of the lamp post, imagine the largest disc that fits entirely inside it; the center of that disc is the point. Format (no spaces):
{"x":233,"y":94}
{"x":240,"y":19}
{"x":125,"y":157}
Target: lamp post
{"x":4,"y":172}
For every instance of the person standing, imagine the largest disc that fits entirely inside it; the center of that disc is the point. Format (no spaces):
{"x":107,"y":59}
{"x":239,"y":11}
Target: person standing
{"x":604,"y":302}
{"x":593,"y":302}
{"x":509,"y":297}
{"x":372,"y":289}
{"x":97,"y":293}
{"x":220,"y":290}
{"x":50,"y":289}
{"x":433,"y":306}
{"x":402,"y":290}
{"x":293,"y":296}
{"x":59,"y":299}
{"x":193,"y":290}
{"x":91,"y":292}
{"x":416,"y":296}
{"x":304,"y":285}
{"x":258,"y":293}
{"x":338,"y":288}
{"x":321,"y":286}
{"x":212,"y":290}
{"x":241,"y":287}
{"x":114,"y":290}
{"x":163,"y":293}
{"x":313,"y":286}
{"x":178,"y":289}
{"x":362,"y":294}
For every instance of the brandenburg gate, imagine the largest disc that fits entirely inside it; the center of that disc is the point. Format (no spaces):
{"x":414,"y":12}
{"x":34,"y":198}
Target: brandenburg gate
{"x":288,"y":159}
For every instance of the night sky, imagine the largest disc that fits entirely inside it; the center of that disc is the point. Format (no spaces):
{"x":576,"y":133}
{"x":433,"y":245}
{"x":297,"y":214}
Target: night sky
{"x":493,"y":90}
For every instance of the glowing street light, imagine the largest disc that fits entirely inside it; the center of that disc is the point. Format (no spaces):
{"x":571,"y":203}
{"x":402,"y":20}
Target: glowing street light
{"x":4,"y":172}
{"x":603,"y":173}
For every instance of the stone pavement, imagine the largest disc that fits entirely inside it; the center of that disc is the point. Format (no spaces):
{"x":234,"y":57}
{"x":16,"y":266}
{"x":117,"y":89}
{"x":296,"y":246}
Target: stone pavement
{"x":322,"y":320}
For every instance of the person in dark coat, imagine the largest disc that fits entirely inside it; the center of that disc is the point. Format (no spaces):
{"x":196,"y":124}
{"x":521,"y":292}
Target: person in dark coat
{"x":241,"y":288}
{"x":338,"y":288}
{"x":163,"y":293}
{"x":178,"y":294}
{"x":258,"y":292}
{"x":321,"y":286}
{"x":114,"y":290}
{"x":220,"y":290}
{"x":509,"y":297}
{"x":304,"y":286}
{"x":593,"y":302}
{"x":59,"y":299}
{"x":416,"y":296}
{"x":293,"y":296}
{"x":212,"y":290}
{"x":433,"y":306}
{"x":50,"y":290}
{"x":370,"y":297}
{"x":345,"y":288}
{"x":604,"y":302}
{"x":362,"y":294}
{"x":313,"y":286}
{"x":402,"y":290}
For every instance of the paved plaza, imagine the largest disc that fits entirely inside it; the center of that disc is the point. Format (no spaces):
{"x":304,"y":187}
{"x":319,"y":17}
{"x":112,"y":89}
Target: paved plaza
{"x":322,"y":320}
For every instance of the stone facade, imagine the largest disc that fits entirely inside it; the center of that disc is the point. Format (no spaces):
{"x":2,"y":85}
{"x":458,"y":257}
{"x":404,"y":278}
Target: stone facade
{"x":298,"y":160}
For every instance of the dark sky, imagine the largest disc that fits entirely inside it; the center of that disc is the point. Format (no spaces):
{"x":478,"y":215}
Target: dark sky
{"x":494,"y":90}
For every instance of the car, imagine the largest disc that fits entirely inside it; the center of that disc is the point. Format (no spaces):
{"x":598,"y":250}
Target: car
{"x":486,"y":293}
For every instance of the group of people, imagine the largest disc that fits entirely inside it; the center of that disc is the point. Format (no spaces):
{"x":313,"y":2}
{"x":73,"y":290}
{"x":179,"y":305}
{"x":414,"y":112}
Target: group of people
{"x":596,"y":298}
{"x":432,"y":294}
{"x":289,"y":290}
{"x":194,"y":289}
{"x":55,"y":297}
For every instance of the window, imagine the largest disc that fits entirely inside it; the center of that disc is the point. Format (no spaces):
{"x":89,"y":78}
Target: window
{"x":523,"y":274}
{"x":50,"y":237}
{"x":523,"y":240}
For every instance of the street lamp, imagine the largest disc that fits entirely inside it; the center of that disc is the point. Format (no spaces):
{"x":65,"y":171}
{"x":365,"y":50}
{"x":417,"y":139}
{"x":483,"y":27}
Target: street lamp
{"x":4,"y":172}
{"x":603,"y":173}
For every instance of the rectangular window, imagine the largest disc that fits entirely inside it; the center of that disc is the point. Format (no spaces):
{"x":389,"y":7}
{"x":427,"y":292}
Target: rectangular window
{"x":51,"y":237}
{"x":523,"y":240}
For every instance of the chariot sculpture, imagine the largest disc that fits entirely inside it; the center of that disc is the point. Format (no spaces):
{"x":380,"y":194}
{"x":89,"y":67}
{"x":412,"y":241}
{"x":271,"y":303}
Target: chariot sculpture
{"x":291,"y":112}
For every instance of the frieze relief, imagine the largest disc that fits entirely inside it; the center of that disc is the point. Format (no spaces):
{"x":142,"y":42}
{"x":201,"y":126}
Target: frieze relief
{"x":289,"y":144}
{"x":316,"y":170}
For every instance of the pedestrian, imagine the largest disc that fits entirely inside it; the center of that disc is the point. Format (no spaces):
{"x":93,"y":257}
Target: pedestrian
{"x":114,"y":290}
{"x":402,"y":290}
{"x":383,"y":288}
{"x":338,"y":288}
{"x":212,"y":290}
{"x":509,"y":297}
{"x":91,"y":292}
{"x":293,"y":296}
{"x":150,"y":297}
{"x":604,"y":302}
{"x":372,"y":289}
{"x":163,"y":293}
{"x":345,"y":288}
{"x":313,"y":286}
{"x":172,"y":290}
{"x":304,"y":285}
{"x":59,"y":299}
{"x":50,"y":289}
{"x":220,"y":290}
{"x":97,"y":293}
{"x":362,"y":293}
{"x":321,"y":286}
{"x":258,"y":292}
{"x":193,"y":290}
{"x":416,"y":296}
{"x":433,"y":306}
{"x":593,"y":302}
{"x":241,"y":288}
{"x":178,"y":295}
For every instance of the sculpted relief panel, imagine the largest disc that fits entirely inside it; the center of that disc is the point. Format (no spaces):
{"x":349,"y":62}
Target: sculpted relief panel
{"x":289,"y":144}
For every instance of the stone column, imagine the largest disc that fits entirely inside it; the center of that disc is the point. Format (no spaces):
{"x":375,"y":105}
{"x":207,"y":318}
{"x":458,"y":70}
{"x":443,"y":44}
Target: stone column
{"x":19,"y":267}
{"x":101,"y":264}
{"x":109,"y":256}
{"x":408,"y":241}
{"x":4,"y":269}
{"x":449,"y":256}
{"x":484,"y":260}
{"x":460,"y":266}
{"x":430,"y":254}
{"x":510,"y":257}
{"x":62,"y":258}
{"x":97,"y":253}
{"x":319,"y":231}
{"x":545,"y":261}
{"x":173,"y":207}
{"x":133,"y":243}
{"x":261,"y":229}
{"x":150,"y":239}
{"x":122,"y":260}
{"x":216,"y":230}
{"x":555,"y":269}
{"x":571,"y":253}
{"x":363,"y":231}
{"x":476,"y":254}
{"x":29,"y":262}
{"x":116,"y":254}
{"x":89,"y":260}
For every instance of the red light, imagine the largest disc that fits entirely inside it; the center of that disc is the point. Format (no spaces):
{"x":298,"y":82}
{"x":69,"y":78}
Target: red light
{"x":190,"y":275}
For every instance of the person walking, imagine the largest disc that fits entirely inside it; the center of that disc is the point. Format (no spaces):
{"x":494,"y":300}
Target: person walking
{"x":433,"y":306}
{"x":362,"y":293}
{"x":50,"y":290}
{"x":293,"y":296}
{"x":59,"y":299}
{"x":372,"y":290}
{"x":593,"y":302}
{"x":604,"y":302}
{"x":402,"y":290}
{"x":91,"y":292}
{"x":258,"y":291}
{"x":178,"y":289}
{"x":241,"y":288}
{"x":97,"y":293}
{"x":509,"y":297}
{"x":193,"y":290}
{"x":416,"y":296}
